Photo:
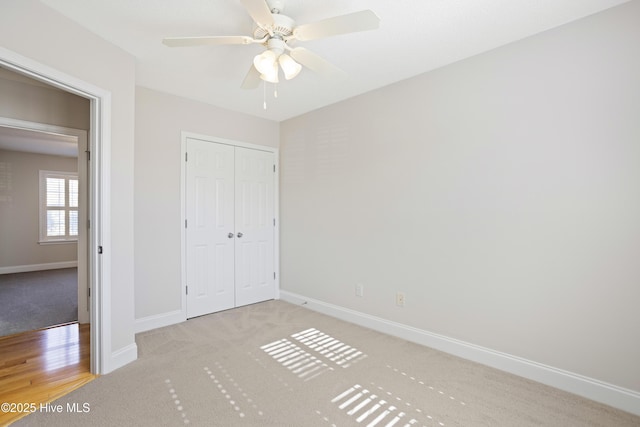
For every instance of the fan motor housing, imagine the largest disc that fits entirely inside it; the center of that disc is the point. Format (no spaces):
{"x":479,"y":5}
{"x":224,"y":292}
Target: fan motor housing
{"x":283,"y":26}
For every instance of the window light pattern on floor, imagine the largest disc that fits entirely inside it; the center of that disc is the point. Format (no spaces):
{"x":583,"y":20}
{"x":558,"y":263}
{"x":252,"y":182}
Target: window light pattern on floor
{"x":282,"y":383}
{"x":235,"y":401}
{"x":295,"y":359}
{"x":372,"y":410}
{"x":176,"y":401}
{"x":429,"y":387}
{"x":338,"y":352}
{"x":408,"y":407}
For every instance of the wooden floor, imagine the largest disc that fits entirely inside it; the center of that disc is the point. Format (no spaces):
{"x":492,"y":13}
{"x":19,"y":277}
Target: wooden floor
{"x":40,"y":366}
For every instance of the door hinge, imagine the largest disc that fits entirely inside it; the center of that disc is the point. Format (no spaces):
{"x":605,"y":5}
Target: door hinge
{"x":99,"y":250}
{"x":274,"y":275}
{"x":274,"y":168}
{"x":88,"y":223}
{"x":88,"y":292}
{"x":185,"y":223}
{"x":186,"y":290}
{"x":186,"y":157}
{"x":88,"y":155}
{"x":274,"y":222}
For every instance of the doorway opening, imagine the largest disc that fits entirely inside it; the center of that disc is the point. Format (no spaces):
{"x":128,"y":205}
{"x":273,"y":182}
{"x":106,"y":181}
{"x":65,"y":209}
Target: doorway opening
{"x":43,"y":211}
{"x":98,"y":203}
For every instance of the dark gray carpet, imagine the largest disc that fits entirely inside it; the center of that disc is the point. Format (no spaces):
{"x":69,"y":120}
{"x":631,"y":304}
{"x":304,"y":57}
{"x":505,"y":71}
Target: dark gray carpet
{"x":38,"y":299}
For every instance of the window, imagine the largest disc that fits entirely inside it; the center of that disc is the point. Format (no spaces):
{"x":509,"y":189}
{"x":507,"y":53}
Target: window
{"x":58,"y":206}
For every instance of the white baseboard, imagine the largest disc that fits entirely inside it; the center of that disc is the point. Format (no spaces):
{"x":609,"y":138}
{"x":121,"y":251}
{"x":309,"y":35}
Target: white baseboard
{"x":609,"y":394}
{"x":159,"y":321}
{"x":121,"y":357}
{"x":38,"y":267}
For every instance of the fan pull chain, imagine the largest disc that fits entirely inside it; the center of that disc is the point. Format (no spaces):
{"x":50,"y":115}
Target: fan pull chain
{"x":264,"y":94}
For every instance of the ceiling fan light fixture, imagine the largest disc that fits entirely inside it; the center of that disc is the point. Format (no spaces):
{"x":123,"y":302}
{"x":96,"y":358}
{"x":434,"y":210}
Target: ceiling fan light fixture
{"x":290,"y":68}
{"x":271,"y":75}
{"x":265,"y":62}
{"x":276,"y":32}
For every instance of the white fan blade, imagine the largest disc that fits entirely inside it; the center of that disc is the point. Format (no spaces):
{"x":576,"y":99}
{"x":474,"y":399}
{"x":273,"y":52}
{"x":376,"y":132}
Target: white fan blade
{"x":317,"y":64}
{"x":206,"y":41}
{"x":343,"y":24}
{"x":260,"y":12}
{"x":252,"y":79}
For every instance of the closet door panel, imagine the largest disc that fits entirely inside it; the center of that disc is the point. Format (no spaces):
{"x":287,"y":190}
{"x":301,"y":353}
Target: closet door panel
{"x":254,"y":220}
{"x":210,"y":218}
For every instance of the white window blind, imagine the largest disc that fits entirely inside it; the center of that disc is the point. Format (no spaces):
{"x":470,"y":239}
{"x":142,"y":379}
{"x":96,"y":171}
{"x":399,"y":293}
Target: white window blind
{"x":58,"y":206}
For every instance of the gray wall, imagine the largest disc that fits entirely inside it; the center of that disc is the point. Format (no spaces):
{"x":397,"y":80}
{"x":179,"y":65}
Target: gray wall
{"x":19,"y":210}
{"x":501,"y":194}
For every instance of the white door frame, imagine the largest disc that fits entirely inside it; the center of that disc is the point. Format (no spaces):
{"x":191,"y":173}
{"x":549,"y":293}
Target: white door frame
{"x":99,"y":206}
{"x":183,"y":211}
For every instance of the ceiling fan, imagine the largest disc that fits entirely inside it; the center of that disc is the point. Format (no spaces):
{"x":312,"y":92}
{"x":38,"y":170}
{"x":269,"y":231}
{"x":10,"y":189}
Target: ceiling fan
{"x":276,"y":31}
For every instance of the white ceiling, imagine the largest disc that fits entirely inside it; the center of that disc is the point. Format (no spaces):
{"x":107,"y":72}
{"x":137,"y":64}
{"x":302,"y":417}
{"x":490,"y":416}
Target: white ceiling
{"x":415,"y":36}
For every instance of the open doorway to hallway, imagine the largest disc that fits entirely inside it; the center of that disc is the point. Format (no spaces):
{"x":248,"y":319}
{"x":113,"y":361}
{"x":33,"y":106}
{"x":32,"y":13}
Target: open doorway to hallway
{"x":44,"y":251}
{"x":102,"y":359}
{"x":43,"y":205}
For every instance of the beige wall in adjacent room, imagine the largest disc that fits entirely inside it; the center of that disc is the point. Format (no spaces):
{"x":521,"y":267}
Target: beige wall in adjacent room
{"x":26,"y":99}
{"x":19,"y":209}
{"x":160,"y":119}
{"x":501,"y":194}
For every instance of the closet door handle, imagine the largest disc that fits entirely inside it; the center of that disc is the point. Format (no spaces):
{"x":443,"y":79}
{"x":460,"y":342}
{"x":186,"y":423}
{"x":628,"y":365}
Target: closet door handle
{"x":230,"y":235}
{"x":240,"y":235}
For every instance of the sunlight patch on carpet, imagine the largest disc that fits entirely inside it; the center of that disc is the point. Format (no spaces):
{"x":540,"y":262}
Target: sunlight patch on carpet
{"x":427,"y":386}
{"x":408,"y":406}
{"x":325,"y":418}
{"x":295,"y":359}
{"x":176,"y":401}
{"x":366,"y":406}
{"x":342,"y":354}
{"x":223,"y":382}
{"x":283,"y":383}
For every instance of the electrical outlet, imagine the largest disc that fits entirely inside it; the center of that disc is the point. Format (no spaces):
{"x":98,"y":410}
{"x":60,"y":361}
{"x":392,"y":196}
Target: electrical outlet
{"x":359,"y":290}
{"x":400,"y":299}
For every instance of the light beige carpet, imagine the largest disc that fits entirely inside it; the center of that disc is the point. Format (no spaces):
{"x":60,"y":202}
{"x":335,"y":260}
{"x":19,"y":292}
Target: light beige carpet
{"x":277,"y":364}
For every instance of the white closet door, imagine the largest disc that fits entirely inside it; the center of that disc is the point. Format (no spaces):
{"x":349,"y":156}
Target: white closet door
{"x":210,"y":220}
{"x":254,"y":224}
